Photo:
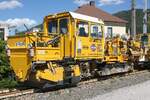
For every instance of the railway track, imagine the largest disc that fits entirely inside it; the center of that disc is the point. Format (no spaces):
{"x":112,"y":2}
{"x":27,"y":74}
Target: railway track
{"x":15,"y":92}
{"x":135,"y":72}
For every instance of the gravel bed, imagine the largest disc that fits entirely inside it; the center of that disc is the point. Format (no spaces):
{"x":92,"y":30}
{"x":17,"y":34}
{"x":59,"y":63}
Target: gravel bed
{"x":89,"y":90}
{"x":134,"y":92}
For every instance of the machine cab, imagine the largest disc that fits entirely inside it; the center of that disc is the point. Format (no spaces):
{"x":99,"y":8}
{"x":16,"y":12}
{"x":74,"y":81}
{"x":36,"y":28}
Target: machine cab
{"x":78,"y":36}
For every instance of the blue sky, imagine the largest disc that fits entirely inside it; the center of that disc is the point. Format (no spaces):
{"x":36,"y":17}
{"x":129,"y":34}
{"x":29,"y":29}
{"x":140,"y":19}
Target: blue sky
{"x":33,"y":11}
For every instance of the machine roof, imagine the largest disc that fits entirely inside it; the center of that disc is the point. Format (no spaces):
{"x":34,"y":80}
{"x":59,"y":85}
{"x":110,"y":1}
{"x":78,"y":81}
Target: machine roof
{"x":85,"y":17}
{"x":79,"y":16}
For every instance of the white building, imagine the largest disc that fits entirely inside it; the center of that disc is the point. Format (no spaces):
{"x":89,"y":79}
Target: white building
{"x":4,"y":31}
{"x":113,"y":24}
{"x":113,"y":29}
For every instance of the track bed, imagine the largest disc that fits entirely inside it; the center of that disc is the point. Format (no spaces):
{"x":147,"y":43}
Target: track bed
{"x":91,"y":88}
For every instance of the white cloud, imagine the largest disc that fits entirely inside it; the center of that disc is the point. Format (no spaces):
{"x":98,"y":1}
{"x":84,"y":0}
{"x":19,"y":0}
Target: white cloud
{"x":81,"y":2}
{"x":19,"y":22}
{"x":110,"y":2}
{"x":10,"y":4}
{"x":100,"y":2}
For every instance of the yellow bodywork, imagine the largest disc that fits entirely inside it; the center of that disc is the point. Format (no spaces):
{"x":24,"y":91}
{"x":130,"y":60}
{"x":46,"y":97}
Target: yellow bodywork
{"x":57,"y":74}
{"x":49,"y":75}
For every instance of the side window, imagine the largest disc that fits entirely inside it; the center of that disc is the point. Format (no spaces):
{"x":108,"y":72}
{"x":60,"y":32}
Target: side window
{"x":109,"y":32}
{"x":52,"y":26}
{"x":63,"y":24}
{"x":96,"y":31}
{"x":83,"y":29}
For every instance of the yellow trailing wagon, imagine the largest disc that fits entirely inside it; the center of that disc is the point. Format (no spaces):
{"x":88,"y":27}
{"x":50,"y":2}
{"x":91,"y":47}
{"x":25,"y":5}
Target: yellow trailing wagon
{"x":72,"y":46}
{"x":139,"y":50}
{"x":116,"y":59}
{"x":144,"y":58}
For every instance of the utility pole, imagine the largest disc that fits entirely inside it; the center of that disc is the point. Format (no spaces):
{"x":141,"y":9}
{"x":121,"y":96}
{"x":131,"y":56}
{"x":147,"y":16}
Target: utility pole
{"x":133,"y":18}
{"x":145,"y":17}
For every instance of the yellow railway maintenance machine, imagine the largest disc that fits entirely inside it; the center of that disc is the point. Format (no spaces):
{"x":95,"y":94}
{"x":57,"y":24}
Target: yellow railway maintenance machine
{"x":71,"y":47}
{"x":65,"y":51}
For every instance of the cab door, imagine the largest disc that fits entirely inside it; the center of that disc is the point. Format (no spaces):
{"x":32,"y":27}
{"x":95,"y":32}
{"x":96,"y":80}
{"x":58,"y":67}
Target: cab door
{"x":96,"y":40}
{"x":82,"y":39}
{"x":65,"y":31}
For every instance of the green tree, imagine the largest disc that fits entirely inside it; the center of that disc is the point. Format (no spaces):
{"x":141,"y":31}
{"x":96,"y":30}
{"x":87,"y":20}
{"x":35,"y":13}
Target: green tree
{"x":6,"y":76}
{"x":4,"y":62}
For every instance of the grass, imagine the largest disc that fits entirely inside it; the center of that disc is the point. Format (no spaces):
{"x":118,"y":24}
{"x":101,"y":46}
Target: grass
{"x":8,"y":83}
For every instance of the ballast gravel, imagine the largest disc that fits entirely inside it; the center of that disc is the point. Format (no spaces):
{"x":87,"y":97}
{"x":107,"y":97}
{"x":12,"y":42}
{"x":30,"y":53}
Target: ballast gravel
{"x":102,"y":90}
{"x":136,"y":92}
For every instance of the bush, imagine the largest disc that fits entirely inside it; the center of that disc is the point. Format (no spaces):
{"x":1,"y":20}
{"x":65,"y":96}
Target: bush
{"x":4,"y":62}
{"x":6,"y":80}
{"x":8,"y":83}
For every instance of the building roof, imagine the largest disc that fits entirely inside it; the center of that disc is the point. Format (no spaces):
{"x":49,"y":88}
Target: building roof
{"x":92,"y":10}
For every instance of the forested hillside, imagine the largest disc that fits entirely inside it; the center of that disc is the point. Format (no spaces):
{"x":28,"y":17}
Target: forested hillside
{"x":126,"y":15}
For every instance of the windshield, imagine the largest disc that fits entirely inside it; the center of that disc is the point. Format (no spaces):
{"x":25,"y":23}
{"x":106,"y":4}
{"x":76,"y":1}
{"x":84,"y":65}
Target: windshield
{"x":63,"y":26}
{"x":55,"y":26}
{"x":52,"y":26}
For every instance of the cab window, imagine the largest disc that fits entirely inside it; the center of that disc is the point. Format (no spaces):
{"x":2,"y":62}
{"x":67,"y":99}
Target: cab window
{"x":96,"y":31}
{"x":52,"y":26}
{"x":83,"y":29}
{"x":63,"y":23}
